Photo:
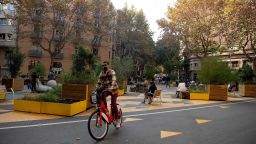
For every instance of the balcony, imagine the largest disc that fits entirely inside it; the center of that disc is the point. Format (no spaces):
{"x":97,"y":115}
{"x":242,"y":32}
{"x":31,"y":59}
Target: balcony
{"x":35,"y":53}
{"x":7,"y":43}
{"x":58,"y":55}
{"x":6,"y":29}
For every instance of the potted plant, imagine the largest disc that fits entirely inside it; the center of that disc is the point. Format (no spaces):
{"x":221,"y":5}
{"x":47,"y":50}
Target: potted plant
{"x":216,"y":74}
{"x":248,"y":83}
{"x":15,"y":59}
{"x":79,"y":84}
{"x":199,"y":92}
{"x":123,"y":68}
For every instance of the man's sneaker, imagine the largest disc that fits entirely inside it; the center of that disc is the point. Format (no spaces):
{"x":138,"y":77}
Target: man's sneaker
{"x":118,"y":123}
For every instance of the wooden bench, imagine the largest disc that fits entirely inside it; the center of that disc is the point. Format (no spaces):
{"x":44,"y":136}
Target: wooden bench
{"x":3,"y":92}
{"x":157,"y":95}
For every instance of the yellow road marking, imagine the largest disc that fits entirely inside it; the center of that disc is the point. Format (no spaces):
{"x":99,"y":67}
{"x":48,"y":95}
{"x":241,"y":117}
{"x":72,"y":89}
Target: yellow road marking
{"x":165,"y":134}
{"x":224,"y":107}
{"x":201,"y":121}
{"x":131,"y":119}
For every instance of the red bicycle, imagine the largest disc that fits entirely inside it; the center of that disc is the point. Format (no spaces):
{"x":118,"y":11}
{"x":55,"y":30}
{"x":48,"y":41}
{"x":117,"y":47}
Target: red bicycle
{"x":101,"y":118}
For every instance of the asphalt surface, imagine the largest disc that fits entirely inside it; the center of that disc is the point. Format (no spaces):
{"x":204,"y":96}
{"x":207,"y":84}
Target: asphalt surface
{"x":234,"y":124}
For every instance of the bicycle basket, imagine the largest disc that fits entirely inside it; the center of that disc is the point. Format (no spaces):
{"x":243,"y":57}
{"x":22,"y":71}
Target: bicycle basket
{"x":94,"y":97}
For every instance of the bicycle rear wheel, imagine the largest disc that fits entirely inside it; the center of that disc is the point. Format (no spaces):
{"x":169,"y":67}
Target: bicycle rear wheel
{"x":97,"y":131}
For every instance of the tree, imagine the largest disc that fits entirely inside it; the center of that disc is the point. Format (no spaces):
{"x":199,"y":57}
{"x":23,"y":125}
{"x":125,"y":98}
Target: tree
{"x":102,"y":22}
{"x":133,"y":37}
{"x":241,"y":20}
{"x":168,"y":52}
{"x":123,"y":67}
{"x":196,"y":23}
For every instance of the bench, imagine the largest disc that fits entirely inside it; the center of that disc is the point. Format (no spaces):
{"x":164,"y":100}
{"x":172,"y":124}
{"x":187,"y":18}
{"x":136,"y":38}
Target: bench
{"x":3,"y":92}
{"x":157,"y":95}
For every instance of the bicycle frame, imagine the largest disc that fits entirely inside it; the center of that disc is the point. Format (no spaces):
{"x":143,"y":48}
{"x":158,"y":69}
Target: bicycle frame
{"x":104,"y":113}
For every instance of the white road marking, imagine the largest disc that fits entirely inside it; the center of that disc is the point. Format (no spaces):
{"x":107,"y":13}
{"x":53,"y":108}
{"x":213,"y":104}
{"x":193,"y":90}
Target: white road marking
{"x":135,"y":115}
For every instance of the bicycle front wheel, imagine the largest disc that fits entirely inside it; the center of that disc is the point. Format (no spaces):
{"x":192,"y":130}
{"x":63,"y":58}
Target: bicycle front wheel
{"x":97,"y":130}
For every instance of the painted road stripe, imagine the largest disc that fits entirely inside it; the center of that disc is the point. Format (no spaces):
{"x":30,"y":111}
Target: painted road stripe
{"x":224,"y":107}
{"x":131,"y":119}
{"x":135,"y":115}
{"x":165,"y":134}
{"x":201,"y":121}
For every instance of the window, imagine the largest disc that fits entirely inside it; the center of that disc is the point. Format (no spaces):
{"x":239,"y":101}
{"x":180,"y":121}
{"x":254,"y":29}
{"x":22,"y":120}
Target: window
{"x":4,"y":21}
{"x":196,"y":64}
{"x":235,"y":64}
{"x":2,"y":36}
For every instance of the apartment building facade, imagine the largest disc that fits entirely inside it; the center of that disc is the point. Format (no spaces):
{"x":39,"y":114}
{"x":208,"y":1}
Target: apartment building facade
{"x":30,"y":46}
{"x":7,"y":36}
{"x":235,"y":59}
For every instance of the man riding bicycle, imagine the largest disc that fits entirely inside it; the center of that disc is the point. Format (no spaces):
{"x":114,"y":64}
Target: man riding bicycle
{"x":107,"y":79}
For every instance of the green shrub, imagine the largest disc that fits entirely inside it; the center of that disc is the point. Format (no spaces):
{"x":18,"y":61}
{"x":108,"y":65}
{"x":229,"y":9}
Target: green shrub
{"x":14,"y":61}
{"x":149,"y":72}
{"x":123,"y":67}
{"x":82,"y":78}
{"x":247,"y":75}
{"x":39,"y":69}
{"x":214,"y":71}
{"x":83,"y":71}
{"x":199,"y":89}
{"x":52,"y":95}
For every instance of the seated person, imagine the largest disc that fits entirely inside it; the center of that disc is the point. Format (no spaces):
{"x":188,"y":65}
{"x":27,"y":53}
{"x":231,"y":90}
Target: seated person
{"x":150,"y":92}
{"x":181,"y":88}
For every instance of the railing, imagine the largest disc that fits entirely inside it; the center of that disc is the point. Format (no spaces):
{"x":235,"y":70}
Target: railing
{"x":7,"y":43}
{"x":58,"y":55}
{"x":35,"y":53}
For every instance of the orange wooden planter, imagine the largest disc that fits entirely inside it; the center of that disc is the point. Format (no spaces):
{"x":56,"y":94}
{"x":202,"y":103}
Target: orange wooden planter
{"x":248,"y":90}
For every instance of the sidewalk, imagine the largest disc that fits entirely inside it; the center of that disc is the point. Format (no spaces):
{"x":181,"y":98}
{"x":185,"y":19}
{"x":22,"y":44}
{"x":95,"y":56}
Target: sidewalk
{"x":130,"y":102}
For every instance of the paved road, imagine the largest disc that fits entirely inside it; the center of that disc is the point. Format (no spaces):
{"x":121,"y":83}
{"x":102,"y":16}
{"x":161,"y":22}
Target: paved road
{"x":231,"y":123}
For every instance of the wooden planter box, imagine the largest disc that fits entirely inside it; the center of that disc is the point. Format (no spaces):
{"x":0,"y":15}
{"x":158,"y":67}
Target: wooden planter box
{"x":27,"y":106}
{"x":247,"y":90}
{"x":50,"y":107}
{"x":15,"y":84}
{"x":218,"y":92}
{"x":215,"y":92}
{"x":78,"y":92}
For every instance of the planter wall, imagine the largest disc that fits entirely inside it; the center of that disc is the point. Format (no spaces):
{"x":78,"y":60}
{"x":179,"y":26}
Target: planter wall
{"x":27,"y":106}
{"x":62,"y":108}
{"x":247,"y":90}
{"x":15,"y":84}
{"x":218,"y":92}
{"x":50,"y":107}
{"x":120,"y":92}
{"x":199,"y":96}
{"x":123,"y":84}
{"x":215,"y":92}
{"x":2,"y":95}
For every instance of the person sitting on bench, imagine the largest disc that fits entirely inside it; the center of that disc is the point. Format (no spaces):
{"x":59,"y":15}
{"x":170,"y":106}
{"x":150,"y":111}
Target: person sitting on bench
{"x":150,"y":92}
